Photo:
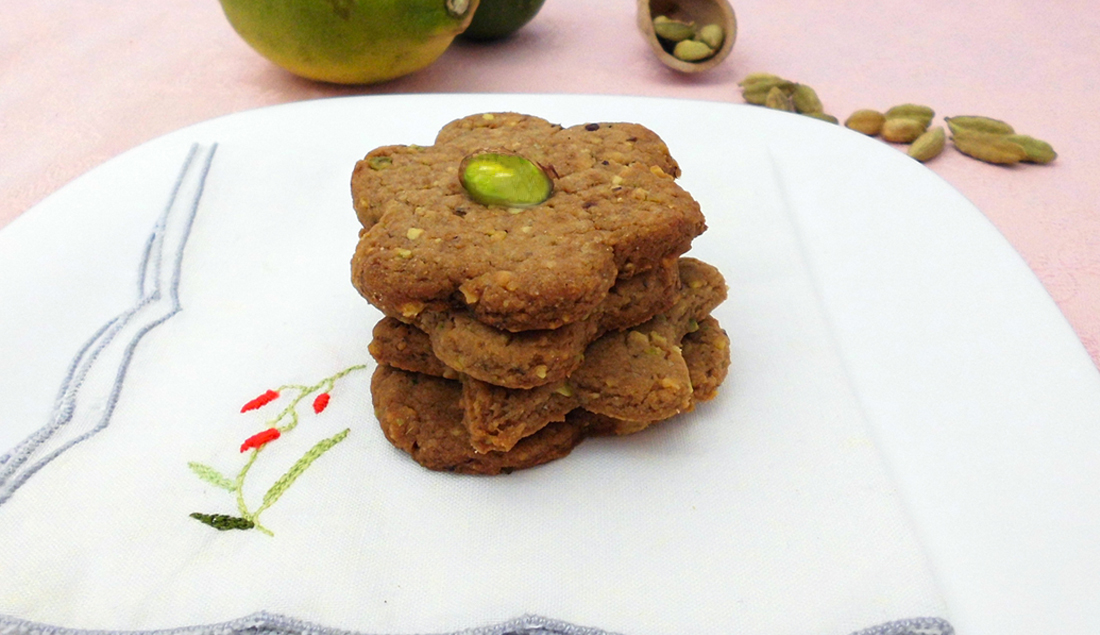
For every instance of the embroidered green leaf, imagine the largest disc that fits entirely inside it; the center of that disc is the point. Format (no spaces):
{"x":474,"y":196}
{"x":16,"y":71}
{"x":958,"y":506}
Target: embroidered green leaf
{"x":212,"y":476}
{"x":286,"y":480}
{"x":222,"y":522}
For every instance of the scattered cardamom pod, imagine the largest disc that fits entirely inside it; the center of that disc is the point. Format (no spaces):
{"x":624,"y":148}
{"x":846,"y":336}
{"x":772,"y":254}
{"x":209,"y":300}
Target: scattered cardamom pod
{"x":673,"y":30}
{"x":806,"y":100}
{"x":978,"y":124}
{"x":1038,"y":151}
{"x":822,"y":116}
{"x":778,"y":99}
{"x":755,"y":88}
{"x":988,"y":147}
{"x":712,"y":35}
{"x":902,"y":129}
{"x":929,"y":145}
{"x":912,"y":111}
{"x":867,"y":121}
{"x":692,"y":51}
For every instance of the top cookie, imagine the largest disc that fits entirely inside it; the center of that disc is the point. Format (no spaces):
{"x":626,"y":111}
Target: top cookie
{"x":426,"y":245}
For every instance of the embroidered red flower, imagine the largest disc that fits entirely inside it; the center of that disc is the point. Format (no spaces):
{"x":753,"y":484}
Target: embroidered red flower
{"x":321,"y":402}
{"x":260,"y":438}
{"x":261,"y":401}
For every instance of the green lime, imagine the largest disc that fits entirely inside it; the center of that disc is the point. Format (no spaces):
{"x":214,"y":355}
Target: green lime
{"x":495,"y":19}
{"x":349,"y":41}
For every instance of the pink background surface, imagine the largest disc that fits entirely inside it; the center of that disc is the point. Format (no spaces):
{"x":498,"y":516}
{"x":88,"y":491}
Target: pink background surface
{"x":82,"y":81}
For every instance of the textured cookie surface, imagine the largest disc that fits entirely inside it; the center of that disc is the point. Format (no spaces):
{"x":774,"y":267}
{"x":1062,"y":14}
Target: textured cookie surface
{"x":422,"y":415}
{"x":426,"y":246}
{"x":639,"y":375}
{"x":534,"y":358}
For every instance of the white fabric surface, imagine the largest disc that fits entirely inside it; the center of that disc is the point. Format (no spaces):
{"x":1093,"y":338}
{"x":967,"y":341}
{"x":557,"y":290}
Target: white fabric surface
{"x":765,"y":511}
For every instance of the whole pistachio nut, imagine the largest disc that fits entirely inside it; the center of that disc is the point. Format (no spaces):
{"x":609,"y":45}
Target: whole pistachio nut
{"x":692,"y":51}
{"x":988,"y":147}
{"x":912,"y":111}
{"x":712,"y":35}
{"x":978,"y":124}
{"x":505,"y":179}
{"x":673,"y":30}
{"x":902,"y":129}
{"x":778,"y":99}
{"x":806,"y":100}
{"x":929,"y":145}
{"x":1038,"y":151}
{"x":867,"y":121}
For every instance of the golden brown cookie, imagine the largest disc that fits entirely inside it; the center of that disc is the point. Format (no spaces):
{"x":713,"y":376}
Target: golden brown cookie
{"x":421,"y":415}
{"x":639,"y":375}
{"x":427,"y":246}
{"x":534,"y":358}
{"x":707,"y":354}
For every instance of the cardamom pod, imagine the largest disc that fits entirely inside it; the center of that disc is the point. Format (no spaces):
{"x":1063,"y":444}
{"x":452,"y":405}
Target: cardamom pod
{"x":805,"y":99}
{"x":692,"y":51}
{"x":673,"y":30}
{"x":712,"y":35}
{"x":822,"y":116}
{"x":978,"y":124}
{"x":755,"y":88}
{"x":902,"y":129}
{"x":991,"y":148}
{"x":1038,"y":151}
{"x":778,"y":99}
{"x":912,"y":111}
{"x":929,"y":145}
{"x":867,"y":121}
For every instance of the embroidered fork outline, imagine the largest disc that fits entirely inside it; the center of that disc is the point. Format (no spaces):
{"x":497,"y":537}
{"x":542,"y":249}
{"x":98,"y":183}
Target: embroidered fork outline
{"x":89,"y":391}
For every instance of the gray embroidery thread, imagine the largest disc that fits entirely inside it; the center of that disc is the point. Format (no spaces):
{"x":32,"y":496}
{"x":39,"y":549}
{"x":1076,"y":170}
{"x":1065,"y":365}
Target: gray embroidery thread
{"x":91,"y":387}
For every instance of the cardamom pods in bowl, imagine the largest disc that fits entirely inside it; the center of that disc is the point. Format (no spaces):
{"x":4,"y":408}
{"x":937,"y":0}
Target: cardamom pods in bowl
{"x":690,"y":36}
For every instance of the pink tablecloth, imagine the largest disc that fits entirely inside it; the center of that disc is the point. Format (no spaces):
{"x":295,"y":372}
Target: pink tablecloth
{"x":82,"y":81}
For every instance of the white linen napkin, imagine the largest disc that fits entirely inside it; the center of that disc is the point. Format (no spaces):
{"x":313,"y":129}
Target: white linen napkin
{"x":767,"y":511}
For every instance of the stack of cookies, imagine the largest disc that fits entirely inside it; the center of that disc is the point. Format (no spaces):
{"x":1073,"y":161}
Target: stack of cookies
{"x":515,"y":327}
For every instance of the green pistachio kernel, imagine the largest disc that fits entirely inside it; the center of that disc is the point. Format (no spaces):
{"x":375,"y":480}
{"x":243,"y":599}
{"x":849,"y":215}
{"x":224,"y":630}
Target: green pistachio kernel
{"x":499,"y":178}
{"x":380,"y":162}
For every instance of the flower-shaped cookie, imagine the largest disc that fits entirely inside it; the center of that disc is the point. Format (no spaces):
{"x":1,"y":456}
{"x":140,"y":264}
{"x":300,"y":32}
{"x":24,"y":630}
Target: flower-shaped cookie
{"x":427,"y":245}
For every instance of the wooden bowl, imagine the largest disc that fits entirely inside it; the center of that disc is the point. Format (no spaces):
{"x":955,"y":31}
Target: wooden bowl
{"x":701,"y":12}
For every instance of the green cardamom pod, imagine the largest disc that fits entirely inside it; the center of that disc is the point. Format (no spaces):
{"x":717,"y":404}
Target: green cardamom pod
{"x":912,"y":111}
{"x":712,"y":35}
{"x":929,"y":145}
{"x":1038,"y":151}
{"x":822,"y":116}
{"x":755,"y":87}
{"x":778,"y":99}
{"x":867,"y":121}
{"x":673,"y":30}
{"x":978,"y":124}
{"x":991,"y":148}
{"x":902,"y":129}
{"x":692,"y":51}
{"x":806,"y":100}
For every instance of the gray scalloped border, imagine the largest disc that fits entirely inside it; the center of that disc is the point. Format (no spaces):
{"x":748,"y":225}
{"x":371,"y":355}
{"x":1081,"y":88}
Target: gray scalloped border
{"x":271,"y":624}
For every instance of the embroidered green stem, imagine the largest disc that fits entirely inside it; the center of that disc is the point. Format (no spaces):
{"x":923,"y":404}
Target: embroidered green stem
{"x":286,"y":420}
